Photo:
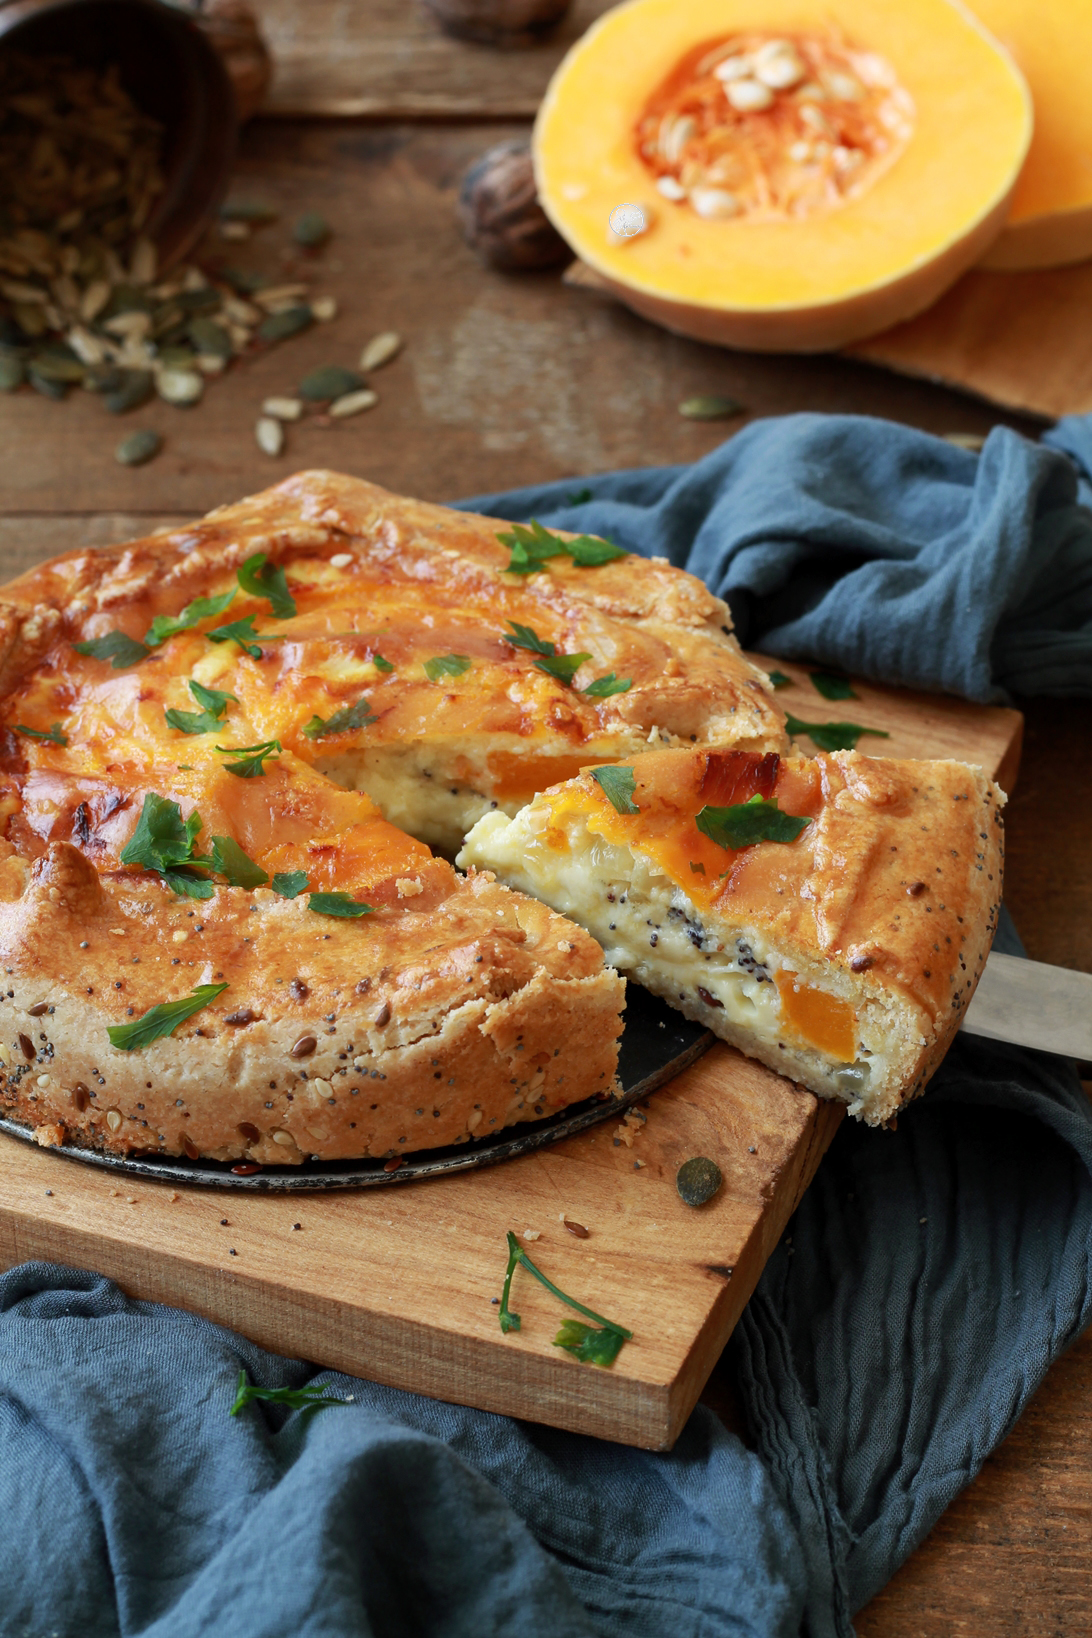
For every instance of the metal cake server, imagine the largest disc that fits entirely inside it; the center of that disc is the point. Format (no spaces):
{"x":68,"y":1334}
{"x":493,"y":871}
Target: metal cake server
{"x":1030,"y":1004}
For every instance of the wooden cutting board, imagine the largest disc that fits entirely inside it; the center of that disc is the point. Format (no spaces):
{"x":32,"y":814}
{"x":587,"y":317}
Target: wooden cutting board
{"x":397,"y":1284}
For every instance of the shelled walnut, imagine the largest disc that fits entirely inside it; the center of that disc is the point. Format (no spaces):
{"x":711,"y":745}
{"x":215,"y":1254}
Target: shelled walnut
{"x":501,"y":216}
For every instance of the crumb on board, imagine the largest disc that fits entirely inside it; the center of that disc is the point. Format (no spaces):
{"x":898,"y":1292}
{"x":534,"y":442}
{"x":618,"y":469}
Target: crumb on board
{"x":531,"y":1234}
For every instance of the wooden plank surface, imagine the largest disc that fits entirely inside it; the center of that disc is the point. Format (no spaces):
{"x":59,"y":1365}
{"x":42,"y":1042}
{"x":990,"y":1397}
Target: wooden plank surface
{"x":390,"y":59}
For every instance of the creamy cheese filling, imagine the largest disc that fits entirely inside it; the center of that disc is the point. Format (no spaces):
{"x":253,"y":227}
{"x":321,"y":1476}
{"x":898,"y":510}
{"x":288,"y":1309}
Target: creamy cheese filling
{"x":653,"y":932}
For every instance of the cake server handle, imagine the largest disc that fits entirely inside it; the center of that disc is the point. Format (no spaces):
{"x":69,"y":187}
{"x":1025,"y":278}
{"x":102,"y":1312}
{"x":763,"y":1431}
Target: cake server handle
{"x":1031,"y":1004}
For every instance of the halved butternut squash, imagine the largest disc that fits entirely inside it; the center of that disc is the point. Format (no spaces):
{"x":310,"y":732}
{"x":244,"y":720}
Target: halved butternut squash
{"x":795,"y":175}
{"x":1050,"y":221}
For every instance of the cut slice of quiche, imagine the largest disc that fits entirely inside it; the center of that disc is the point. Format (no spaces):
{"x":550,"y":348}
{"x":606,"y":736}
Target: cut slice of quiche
{"x":829,"y":917}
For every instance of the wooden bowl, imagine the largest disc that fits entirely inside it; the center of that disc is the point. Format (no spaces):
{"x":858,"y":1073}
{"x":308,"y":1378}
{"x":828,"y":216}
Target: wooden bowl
{"x":172,"y":72}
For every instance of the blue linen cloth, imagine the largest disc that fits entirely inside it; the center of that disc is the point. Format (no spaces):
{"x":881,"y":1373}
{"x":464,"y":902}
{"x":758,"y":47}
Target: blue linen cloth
{"x":928,"y":1279}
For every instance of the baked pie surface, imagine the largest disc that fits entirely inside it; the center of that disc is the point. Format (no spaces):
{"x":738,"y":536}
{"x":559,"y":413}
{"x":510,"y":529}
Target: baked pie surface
{"x":371,"y":653}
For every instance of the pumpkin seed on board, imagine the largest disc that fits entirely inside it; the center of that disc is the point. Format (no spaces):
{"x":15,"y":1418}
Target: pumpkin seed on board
{"x":209,"y":337}
{"x":311,"y":230}
{"x":324,"y":308}
{"x":12,"y":374}
{"x":136,"y":389}
{"x":380,"y":350}
{"x":289,"y":322}
{"x":180,"y":386}
{"x":330,"y":381}
{"x":47,"y":386}
{"x":247,"y":210}
{"x":269,"y":435}
{"x":698,"y":1180}
{"x":138,"y":447}
{"x":283,"y":409}
{"x":710,"y":406}
{"x":351,"y":403}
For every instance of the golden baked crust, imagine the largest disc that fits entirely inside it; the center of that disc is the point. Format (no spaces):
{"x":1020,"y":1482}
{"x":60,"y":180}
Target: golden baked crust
{"x":844,"y":957}
{"x":451,"y":1008}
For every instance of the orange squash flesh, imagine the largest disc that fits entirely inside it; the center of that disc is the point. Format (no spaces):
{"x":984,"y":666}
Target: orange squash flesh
{"x":1050,"y":222}
{"x":824,"y":1021}
{"x":772,"y":282}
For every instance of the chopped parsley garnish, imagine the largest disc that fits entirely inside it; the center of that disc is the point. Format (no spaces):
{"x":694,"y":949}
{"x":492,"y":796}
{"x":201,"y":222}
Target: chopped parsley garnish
{"x":237,"y":868}
{"x":603,"y":687}
{"x":207,"y":721}
{"x":832,"y":736}
{"x":831,"y":687}
{"x":161,"y":1020}
{"x":344,"y":721}
{"x":252,"y":758}
{"x":618,"y":786}
{"x":261,"y":578}
{"x":307,"y":1399}
{"x":446,"y":665}
{"x":530,"y":548}
{"x":289,"y":883}
{"x":164,"y":842}
{"x":779,"y":679}
{"x":595,"y":1346}
{"x":381,"y":664}
{"x":562,"y":666}
{"x":202,"y":608}
{"x":241,"y":632}
{"x":757,"y":820}
{"x":54,"y":736}
{"x":338,"y":904}
{"x":120,"y":650}
{"x":698,"y":869}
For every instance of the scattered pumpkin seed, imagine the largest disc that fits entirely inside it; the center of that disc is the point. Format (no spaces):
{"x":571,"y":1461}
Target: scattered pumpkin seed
{"x":180,"y":386}
{"x":698,"y":1180}
{"x":380,"y":350}
{"x":103,"y":378}
{"x":247,"y":210}
{"x":351,"y":403}
{"x":710,"y":406}
{"x":235,"y":232}
{"x":324,"y":308}
{"x":138,"y":447}
{"x":283,"y":409}
{"x":136,"y":388}
{"x":12,"y":373}
{"x":330,"y":381}
{"x":143,"y":262}
{"x":210,"y":363}
{"x":279,"y":326}
{"x":311,"y":230}
{"x":56,"y":362}
{"x":46,"y":385}
{"x":209,"y":337}
{"x":269,"y":434}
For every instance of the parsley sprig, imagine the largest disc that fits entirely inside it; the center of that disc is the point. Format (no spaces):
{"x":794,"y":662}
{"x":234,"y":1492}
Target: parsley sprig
{"x":563,"y":666}
{"x":345,"y":721}
{"x":618,"y":786}
{"x":832,"y":687}
{"x":311,"y":1397}
{"x":54,"y":736}
{"x":531,"y":547}
{"x":164,"y":842}
{"x":161,"y":1020}
{"x":832,"y":736}
{"x":446,"y":665}
{"x":209,"y":720}
{"x":241,"y":632}
{"x":594,"y":1346}
{"x":202,"y":608}
{"x":120,"y":650}
{"x":338,"y":904}
{"x":757,"y":820}
{"x":261,"y":578}
{"x":289,"y":884}
{"x":252,"y":758}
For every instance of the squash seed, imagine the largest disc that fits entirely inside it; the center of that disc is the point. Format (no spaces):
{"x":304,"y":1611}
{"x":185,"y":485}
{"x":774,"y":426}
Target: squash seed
{"x":311,"y":230}
{"x":180,"y":386}
{"x":269,"y":434}
{"x":283,"y":409}
{"x":330,"y":381}
{"x":209,"y":337}
{"x":11,"y":372}
{"x":351,"y":403}
{"x":279,"y":326}
{"x":698,"y":1180}
{"x":380,"y":350}
{"x":136,"y":388}
{"x":138,"y":447}
{"x":324,"y":308}
{"x":710,"y":406}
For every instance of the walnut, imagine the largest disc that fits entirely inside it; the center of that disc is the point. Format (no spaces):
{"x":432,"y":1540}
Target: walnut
{"x":503,"y":23}
{"x":501,"y":216}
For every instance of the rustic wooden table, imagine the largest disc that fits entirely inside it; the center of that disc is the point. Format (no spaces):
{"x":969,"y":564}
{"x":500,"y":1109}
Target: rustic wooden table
{"x":510,"y":380}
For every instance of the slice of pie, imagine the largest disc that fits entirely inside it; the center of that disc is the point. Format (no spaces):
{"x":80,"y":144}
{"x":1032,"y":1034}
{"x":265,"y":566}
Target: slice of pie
{"x":226,"y":749}
{"x":829,"y":917}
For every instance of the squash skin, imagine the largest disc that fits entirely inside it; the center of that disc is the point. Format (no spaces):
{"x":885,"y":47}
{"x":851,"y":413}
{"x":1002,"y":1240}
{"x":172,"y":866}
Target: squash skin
{"x":805,"y":285}
{"x":1050,"y":223}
